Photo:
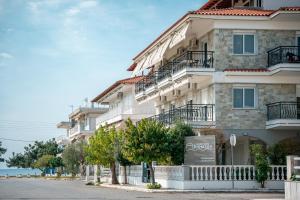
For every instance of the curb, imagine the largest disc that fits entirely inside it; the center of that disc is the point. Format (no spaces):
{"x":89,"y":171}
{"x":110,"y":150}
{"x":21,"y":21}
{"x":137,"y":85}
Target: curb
{"x":132,"y":188}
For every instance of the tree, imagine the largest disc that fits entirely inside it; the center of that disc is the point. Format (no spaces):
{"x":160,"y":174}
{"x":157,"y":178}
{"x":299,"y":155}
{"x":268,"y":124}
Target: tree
{"x":102,"y":149}
{"x":43,"y":163}
{"x":121,"y":155}
{"x":261,"y":163}
{"x":177,"y":136}
{"x":146,"y":142}
{"x":33,"y":152}
{"x":2,"y":151}
{"x":72,"y":157}
{"x":277,"y":154}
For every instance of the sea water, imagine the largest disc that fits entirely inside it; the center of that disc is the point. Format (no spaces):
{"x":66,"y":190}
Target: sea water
{"x":16,"y":171}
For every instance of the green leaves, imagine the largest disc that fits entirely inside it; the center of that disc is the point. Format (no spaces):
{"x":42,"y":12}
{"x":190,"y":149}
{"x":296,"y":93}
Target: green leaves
{"x":102,"y":146}
{"x":177,"y":136}
{"x":146,"y":142}
{"x":33,"y":152}
{"x":261,"y":163}
{"x":73,"y":156}
{"x":2,"y":151}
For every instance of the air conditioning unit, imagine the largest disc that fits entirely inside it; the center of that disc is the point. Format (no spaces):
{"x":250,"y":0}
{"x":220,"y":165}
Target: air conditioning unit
{"x":192,"y":86}
{"x":120,"y":95}
{"x":180,"y":50}
{"x":194,"y":44}
{"x":162,"y":98}
{"x":176,"y":93}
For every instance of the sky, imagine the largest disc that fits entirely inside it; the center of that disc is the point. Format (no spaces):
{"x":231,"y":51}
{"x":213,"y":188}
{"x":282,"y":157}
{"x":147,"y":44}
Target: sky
{"x":56,"y":53}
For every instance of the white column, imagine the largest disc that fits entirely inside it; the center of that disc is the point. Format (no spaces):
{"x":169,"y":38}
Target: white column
{"x":87,"y":172}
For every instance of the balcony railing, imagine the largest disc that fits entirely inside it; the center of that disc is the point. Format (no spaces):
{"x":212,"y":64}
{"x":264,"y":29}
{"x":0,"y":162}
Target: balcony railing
{"x":164,"y":72}
{"x":283,"y":110}
{"x":191,"y":59}
{"x":188,"y":113}
{"x":284,"y":54}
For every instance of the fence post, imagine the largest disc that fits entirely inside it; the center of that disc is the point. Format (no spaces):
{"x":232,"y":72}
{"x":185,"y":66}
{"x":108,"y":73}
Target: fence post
{"x":289,"y":167}
{"x":185,"y":172}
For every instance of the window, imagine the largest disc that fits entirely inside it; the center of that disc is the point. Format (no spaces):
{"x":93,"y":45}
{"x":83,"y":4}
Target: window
{"x":243,"y":98}
{"x":243,"y":44}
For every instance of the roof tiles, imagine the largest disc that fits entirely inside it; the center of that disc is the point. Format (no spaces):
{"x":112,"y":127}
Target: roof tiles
{"x":131,"y":80}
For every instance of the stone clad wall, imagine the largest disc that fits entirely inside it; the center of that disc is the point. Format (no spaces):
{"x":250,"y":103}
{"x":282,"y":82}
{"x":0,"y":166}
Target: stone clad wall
{"x":265,"y":41}
{"x":229,"y":118}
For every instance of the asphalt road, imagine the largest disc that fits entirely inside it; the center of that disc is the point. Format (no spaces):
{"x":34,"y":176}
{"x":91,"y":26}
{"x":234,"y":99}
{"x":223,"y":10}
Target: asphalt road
{"x":24,"y":188}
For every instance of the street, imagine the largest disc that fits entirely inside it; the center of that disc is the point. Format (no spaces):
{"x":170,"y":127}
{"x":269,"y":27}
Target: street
{"x":24,"y":188}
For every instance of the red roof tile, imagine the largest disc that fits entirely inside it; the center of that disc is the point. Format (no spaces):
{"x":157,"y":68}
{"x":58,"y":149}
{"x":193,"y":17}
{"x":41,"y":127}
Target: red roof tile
{"x":235,"y":12}
{"x":126,"y":81}
{"x":247,"y":70}
{"x":222,"y":12}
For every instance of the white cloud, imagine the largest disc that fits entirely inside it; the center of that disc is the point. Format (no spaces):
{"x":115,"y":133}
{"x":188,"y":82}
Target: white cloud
{"x":72,"y":12}
{"x":4,"y":55}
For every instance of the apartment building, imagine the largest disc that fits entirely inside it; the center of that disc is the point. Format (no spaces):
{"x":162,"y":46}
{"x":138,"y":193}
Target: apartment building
{"x":232,"y":66}
{"x":121,"y":103}
{"x":82,"y":122}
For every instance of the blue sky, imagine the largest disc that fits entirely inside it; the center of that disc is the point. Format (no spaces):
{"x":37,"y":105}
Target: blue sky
{"x":55,"y":53}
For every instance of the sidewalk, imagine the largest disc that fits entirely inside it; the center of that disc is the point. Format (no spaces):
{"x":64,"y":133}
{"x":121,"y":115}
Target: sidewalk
{"x":165,"y":190}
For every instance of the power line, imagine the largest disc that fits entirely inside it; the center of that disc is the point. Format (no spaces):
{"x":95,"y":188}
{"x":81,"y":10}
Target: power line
{"x":15,"y":140}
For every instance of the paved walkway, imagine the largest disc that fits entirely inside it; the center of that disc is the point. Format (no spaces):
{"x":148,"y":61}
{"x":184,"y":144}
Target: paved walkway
{"x":25,"y":188}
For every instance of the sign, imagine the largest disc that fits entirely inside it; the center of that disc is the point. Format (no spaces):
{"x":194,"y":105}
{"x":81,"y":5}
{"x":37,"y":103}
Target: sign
{"x":232,"y":140}
{"x":200,"y":150}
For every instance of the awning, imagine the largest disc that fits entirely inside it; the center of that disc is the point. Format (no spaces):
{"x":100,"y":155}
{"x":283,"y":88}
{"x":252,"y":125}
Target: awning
{"x":153,"y":58}
{"x":158,"y":56}
{"x":138,"y":67}
{"x":179,"y":35}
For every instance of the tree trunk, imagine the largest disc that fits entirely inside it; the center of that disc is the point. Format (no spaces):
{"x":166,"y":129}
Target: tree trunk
{"x":262,"y":184}
{"x":151,"y":173}
{"x":125,"y":175}
{"x":98,"y":174}
{"x":114,"y":179}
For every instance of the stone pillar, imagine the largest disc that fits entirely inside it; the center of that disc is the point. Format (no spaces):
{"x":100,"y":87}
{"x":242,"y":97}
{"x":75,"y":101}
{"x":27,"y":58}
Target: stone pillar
{"x":185,"y":172}
{"x":87,"y":172}
{"x":289,"y":167}
{"x":121,"y":175}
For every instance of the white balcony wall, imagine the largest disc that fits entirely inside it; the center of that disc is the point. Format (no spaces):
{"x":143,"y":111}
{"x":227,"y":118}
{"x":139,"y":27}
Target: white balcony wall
{"x":199,"y":96}
{"x":124,"y":108}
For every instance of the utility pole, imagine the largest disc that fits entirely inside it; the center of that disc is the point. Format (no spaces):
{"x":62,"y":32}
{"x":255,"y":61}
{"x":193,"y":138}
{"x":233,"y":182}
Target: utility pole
{"x":232,"y":144}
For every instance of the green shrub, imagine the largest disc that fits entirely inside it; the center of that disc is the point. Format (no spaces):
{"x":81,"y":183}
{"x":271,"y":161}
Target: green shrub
{"x":153,"y":186}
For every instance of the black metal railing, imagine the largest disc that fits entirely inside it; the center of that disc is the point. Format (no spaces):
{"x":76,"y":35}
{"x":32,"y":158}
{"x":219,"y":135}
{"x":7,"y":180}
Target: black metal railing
{"x":150,"y":80}
{"x":284,"y":54}
{"x":189,"y":59}
{"x":193,"y":59}
{"x":140,"y":86}
{"x":164,"y":71}
{"x":189,"y":113}
{"x":283,"y":110}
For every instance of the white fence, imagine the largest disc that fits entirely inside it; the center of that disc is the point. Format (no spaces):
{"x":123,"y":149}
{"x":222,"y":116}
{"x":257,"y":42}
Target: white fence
{"x":238,"y":173}
{"x":211,"y":177}
{"x":292,"y":187}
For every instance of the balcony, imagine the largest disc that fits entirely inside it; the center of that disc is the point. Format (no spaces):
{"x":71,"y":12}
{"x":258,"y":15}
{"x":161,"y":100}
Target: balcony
{"x":79,"y":129}
{"x":283,"y":115}
{"x":284,"y":54}
{"x":284,"y":60}
{"x":188,"y":63}
{"x":196,"y":115}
